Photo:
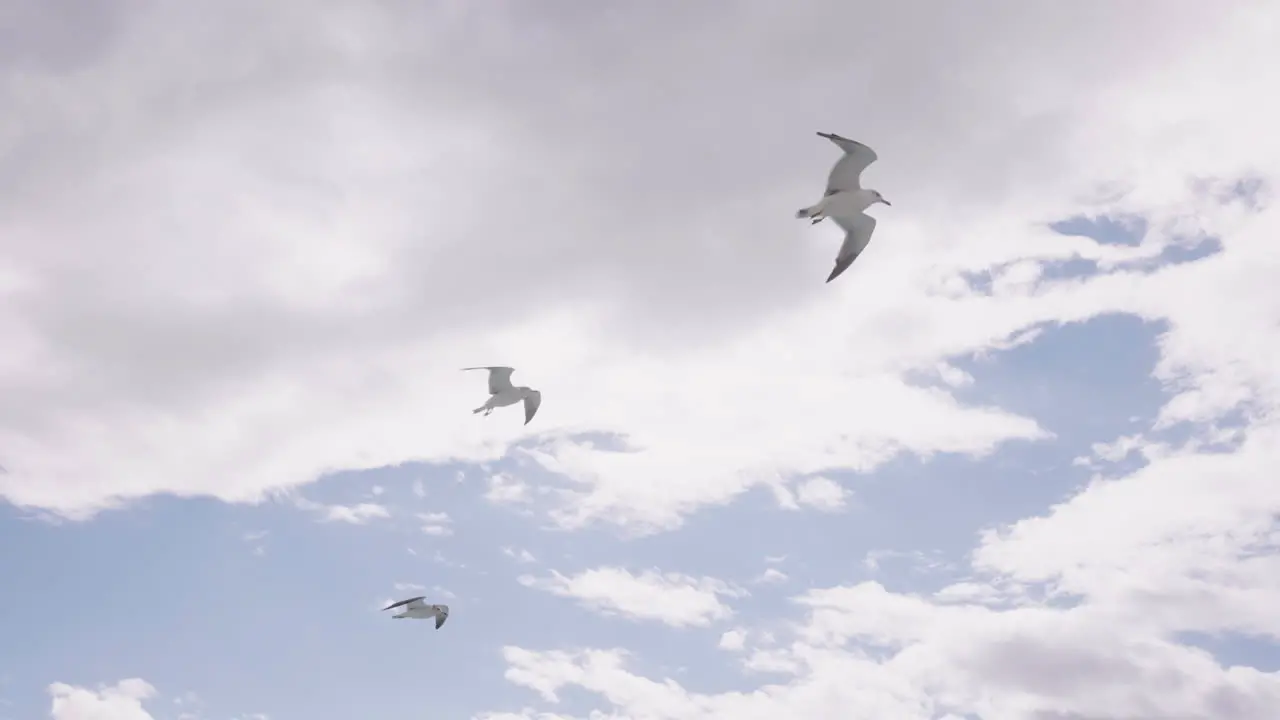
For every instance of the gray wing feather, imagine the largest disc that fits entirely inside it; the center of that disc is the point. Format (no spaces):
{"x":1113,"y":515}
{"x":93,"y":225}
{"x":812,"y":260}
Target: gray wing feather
{"x":857,"y":235}
{"x":847,"y":173}
{"x":403,"y":602}
{"x":499,"y":377}
{"x":532,"y":402}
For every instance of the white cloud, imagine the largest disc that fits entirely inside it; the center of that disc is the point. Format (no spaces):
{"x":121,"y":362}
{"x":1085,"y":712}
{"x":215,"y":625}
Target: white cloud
{"x":733,"y":640}
{"x":1023,"y":664}
{"x":358,"y":514}
{"x":418,"y":489}
{"x":277,"y":370}
{"x":822,"y":493}
{"x":771,"y":576}
{"x":436,"y":523}
{"x":1184,"y":544}
{"x":953,"y":376}
{"x":1118,"y":449}
{"x":528,"y":714}
{"x":520,"y":555}
{"x":506,"y":489}
{"x":122,"y":701}
{"x":336,"y":364}
{"x":255,"y":540}
{"x":670,"y":598}
{"x":440,"y":559}
{"x":917,"y":560}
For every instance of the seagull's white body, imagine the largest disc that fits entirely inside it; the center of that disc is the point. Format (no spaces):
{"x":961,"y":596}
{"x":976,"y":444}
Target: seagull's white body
{"x":415,"y":609}
{"x":846,"y":199}
{"x":841,"y":203}
{"x":502,"y":393}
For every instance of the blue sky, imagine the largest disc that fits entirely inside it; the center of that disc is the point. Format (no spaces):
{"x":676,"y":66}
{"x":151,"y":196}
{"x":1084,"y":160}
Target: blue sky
{"x":1017,"y":463}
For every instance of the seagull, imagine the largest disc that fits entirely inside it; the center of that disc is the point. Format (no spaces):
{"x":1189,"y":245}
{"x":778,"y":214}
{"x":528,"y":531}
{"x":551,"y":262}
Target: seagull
{"x":503,"y":393}
{"x":845,"y":200}
{"x":415,"y":609}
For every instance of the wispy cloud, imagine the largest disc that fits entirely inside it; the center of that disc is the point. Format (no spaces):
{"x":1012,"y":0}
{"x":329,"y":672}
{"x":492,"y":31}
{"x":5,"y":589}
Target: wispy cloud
{"x":354,"y":514}
{"x":771,"y":576}
{"x":520,"y":555}
{"x":357,"y":514}
{"x":671,"y":598}
{"x":819,"y":493}
{"x":504,"y":488}
{"x":255,"y":540}
{"x":436,"y":523}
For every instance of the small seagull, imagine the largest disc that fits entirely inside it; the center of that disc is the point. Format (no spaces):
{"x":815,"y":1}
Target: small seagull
{"x":415,"y":609}
{"x":845,"y":200}
{"x":503,"y":393}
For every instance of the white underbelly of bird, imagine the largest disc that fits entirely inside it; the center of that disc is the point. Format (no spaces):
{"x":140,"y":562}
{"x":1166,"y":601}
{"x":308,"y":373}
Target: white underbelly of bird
{"x":421,"y":613}
{"x":841,"y":203}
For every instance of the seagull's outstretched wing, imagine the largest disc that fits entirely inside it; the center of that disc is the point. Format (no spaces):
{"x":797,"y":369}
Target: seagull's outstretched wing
{"x":847,"y":173}
{"x":499,"y":377}
{"x":409,"y":604}
{"x":442,"y":614}
{"x":532,"y":402}
{"x":857,"y":231}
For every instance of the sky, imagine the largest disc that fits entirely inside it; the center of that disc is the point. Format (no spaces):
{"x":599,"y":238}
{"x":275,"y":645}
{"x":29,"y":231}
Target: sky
{"x":1017,"y":463}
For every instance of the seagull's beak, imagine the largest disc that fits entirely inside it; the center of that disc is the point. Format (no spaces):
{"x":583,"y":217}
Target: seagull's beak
{"x":886,"y":202}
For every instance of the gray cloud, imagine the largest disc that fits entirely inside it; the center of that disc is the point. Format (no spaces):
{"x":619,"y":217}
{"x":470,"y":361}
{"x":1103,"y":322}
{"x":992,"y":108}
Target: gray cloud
{"x":60,"y":38}
{"x":642,"y":162}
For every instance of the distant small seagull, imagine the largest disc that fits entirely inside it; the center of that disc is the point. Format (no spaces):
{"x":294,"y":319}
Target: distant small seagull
{"x":503,"y":393}
{"x":845,"y":200}
{"x":415,"y":609}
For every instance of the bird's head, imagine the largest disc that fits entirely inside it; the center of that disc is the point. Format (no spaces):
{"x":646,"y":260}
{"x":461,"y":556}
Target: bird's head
{"x":878,"y":198}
